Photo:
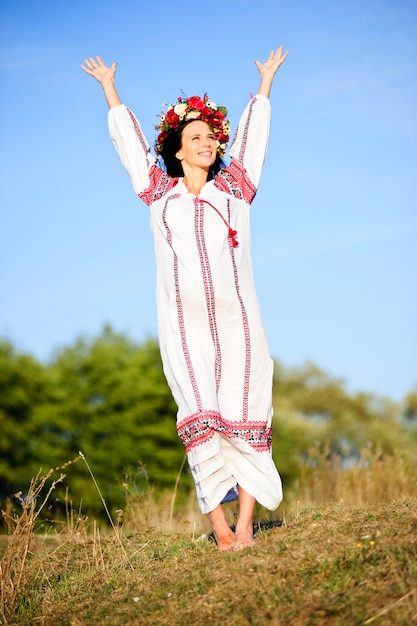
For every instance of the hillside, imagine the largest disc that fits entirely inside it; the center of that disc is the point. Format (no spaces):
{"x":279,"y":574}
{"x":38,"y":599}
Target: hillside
{"x":333,"y":565}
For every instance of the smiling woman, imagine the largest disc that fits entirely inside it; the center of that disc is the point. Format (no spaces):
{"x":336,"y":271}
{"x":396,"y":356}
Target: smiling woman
{"x":198,"y":150}
{"x":212,"y":338}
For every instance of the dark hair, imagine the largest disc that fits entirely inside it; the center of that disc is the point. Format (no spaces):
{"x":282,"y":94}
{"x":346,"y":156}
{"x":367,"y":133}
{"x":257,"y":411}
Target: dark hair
{"x":170,"y":148}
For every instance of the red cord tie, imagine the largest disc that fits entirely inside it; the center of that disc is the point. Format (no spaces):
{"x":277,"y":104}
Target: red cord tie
{"x":232,"y":233}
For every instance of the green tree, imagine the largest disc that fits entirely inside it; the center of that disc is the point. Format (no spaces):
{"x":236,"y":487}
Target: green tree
{"x":122,"y":414}
{"x":106,"y":398}
{"x":31,"y":428}
{"x":313,"y":408}
{"x":410,"y":411}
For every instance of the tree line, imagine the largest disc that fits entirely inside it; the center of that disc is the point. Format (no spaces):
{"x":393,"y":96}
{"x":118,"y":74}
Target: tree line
{"x":107,"y":397}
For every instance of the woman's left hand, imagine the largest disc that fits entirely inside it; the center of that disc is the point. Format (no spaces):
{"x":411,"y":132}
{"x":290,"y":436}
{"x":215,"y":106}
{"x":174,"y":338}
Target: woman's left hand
{"x":268,"y":70}
{"x":273,"y":62}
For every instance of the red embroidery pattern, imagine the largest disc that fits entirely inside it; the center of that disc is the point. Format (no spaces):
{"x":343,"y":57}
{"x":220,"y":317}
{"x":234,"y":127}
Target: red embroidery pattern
{"x":245,"y":132}
{"x":180,"y":311}
{"x":200,"y":427}
{"x":138,"y":132}
{"x":208,"y":287}
{"x":235,"y":181}
{"x":160,"y":184}
{"x":246,"y":331}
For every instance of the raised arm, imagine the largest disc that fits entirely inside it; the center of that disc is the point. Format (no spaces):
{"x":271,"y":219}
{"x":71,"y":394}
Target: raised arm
{"x":105,"y":76}
{"x":125,"y":131}
{"x":268,"y":70}
{"x":251,"y":138}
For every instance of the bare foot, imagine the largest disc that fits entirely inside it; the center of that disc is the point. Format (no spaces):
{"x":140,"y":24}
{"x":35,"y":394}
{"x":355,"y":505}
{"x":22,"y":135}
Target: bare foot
{"x":244,"y":529}
{"x":225,"y":541}
{"x":243,"y":539}
{"x":225,"y":537}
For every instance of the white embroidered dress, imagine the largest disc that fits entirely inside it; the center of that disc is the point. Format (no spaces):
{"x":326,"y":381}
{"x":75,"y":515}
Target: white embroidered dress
{"x":212,"y":338}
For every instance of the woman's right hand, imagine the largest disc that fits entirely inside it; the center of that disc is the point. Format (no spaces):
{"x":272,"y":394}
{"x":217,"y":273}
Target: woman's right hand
{"x":101,"y":72}
{"x":105,"y":76}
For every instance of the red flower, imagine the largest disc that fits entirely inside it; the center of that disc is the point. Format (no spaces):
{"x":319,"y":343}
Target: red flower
{"x":161,"y":137}
{"x":216,"y":119}
{"x":172,"y":118}
{"x":195,"y":102}
{"x":222,"y":137}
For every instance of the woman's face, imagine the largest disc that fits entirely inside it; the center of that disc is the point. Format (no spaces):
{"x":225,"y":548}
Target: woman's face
{"x":198,"y":145}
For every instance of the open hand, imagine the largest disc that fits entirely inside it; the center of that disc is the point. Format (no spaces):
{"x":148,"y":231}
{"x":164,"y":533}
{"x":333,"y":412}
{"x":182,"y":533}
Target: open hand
{"x":96,"y":68}
{"x":271,"y":65}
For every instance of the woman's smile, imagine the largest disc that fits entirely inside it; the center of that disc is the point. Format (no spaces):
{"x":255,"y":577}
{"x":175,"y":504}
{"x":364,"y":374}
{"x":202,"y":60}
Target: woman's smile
{"x":198,"y":145}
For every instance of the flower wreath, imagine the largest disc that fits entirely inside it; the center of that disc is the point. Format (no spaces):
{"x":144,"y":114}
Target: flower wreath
{"x":194,"y":108}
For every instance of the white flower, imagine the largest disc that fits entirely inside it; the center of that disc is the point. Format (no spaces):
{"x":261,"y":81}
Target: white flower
{"x":192,"y":115}
{"x":180,"y":109}
{"x":211,"y":105}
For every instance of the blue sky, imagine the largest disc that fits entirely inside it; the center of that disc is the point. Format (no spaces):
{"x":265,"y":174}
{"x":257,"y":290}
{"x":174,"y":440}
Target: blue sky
{"x":334,"y":222}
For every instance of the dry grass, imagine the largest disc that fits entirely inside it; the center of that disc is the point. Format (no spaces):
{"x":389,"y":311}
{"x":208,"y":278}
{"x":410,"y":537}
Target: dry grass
{"x":21,"y":530}
{"x":373,"y":478}
{"x":332,"y":565}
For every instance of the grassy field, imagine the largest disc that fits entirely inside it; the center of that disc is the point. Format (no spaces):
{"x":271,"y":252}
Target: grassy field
{"x":329,"y":565}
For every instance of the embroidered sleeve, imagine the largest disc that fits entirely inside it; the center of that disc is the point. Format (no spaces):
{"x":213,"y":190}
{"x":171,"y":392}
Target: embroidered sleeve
{"x":159,"y":185}
{"x":235,"y":181}
{"x":132,"y":147}
{"x":250,"y":142}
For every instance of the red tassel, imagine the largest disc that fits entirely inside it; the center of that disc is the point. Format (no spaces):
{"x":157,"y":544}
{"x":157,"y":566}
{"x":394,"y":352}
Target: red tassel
{"x":233,"y":234}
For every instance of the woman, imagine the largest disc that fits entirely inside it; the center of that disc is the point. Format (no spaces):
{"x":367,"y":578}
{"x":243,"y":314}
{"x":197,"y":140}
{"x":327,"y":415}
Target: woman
{"x":212,"y":339}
